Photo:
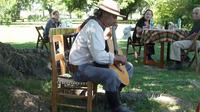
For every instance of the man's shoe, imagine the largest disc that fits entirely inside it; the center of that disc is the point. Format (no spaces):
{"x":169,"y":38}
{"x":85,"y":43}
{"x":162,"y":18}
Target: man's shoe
{"x":122,"y":109}
{"x":175,"y":67}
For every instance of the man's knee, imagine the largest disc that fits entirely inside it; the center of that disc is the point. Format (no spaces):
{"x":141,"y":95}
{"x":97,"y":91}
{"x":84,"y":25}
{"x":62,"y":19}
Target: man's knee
{"x":112,"y":82}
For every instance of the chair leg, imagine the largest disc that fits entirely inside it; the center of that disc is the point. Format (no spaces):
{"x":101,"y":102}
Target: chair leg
{"x":53,"y":102}
{"x":139,"y":50}
{"x":89,"y":99}
{"x":197,"y":61}
{"x":95,"y":88}
{"x":127,"y":47}
{"x":198,"y":108}
{"x":44,"y":45}
{"x":190,"y":63}
{"x":37,"y":43}
{"x":134,"y":50}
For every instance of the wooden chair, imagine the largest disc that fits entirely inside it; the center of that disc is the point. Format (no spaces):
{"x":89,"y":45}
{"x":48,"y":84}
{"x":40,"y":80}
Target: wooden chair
{"x":41,"y":42}
{"x":193,"y":48}
{"x":64,"y":88}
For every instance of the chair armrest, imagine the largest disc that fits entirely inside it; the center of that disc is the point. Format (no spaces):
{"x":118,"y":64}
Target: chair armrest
{"x":193,"y":45}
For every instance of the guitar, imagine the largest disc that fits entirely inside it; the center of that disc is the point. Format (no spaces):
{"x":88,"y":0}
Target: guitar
{"x":121,"y":69}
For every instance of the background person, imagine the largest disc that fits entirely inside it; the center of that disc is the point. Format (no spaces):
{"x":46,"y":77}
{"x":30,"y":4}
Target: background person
{"x":89,"y":56}
{"x":178,"y":46}
{"x":53,"y":22}
{"x":144,"y":23}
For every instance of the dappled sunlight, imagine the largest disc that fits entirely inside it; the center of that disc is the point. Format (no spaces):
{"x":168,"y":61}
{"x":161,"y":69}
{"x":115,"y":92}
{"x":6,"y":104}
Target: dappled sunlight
{"x":47,"y":86}
{"x":180,"y":87}
{"x":151,"y":85}
{"x":136,"y":89}
{"x":166,"y":99}
{"x":174,"y":108}
{"x":123,"y":47}
{"x":190,"y":87}
{"x":172,"y":103}
{"x":136,"y":61}
{"x":148,"y":78}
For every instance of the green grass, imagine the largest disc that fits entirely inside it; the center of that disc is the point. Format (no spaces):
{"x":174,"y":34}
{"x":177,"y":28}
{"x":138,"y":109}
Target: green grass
{"x":146,"y":80}
{"x":29,"y":45}
{"x":150,"y":79}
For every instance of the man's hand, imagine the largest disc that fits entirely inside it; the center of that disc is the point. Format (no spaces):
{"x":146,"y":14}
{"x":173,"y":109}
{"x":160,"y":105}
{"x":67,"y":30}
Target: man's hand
{"x":119,"y":59}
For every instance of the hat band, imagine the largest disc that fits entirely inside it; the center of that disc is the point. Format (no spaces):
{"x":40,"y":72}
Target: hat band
{"x":110,"y":8}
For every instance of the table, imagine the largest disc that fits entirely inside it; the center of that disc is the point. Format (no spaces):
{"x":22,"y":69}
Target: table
{"x":161,"y":36}
{"x":61,"y":31}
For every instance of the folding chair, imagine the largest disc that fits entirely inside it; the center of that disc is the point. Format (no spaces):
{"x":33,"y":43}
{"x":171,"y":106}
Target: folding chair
{"x":64,"y":88}
{"x":193,"y":48}
{"x":41,"y":42}
{"x":134,"y":44}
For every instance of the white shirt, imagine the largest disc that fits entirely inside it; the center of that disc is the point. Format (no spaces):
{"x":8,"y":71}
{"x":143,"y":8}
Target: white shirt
{"x":89,"y":46}
{"x":127,"y":32}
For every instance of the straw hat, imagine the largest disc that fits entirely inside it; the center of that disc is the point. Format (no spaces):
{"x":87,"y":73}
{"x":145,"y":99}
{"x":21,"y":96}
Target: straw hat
{"x":111,"y":7}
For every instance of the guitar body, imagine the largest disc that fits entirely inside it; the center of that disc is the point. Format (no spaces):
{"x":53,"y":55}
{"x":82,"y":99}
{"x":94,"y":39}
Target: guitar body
{"x":123,"y":75}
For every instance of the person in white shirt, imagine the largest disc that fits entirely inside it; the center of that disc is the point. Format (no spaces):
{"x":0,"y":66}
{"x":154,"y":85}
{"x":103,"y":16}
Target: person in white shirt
{"x":90,"y":57}
{"x":178,"y":46}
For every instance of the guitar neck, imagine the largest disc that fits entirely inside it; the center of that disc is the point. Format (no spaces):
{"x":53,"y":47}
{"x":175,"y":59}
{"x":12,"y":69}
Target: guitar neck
{"x":114,"y":40}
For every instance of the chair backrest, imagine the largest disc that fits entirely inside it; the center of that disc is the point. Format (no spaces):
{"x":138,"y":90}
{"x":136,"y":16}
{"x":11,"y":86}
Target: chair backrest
{"x":57,"y":55}
{"x":41,"y":41}
{"x":40,"y":30}
{"x":136,"y":42}
{"x":68,"y":41}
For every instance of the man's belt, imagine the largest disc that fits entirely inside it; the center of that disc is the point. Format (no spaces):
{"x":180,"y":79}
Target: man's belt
{"x":73,"y":68}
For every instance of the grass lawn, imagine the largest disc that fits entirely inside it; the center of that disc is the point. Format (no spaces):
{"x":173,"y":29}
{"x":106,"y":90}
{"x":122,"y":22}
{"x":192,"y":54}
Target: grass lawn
{"x":164,"y":91}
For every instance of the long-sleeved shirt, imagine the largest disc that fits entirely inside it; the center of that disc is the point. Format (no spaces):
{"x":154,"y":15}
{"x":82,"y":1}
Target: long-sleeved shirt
{"x":52,"y":23}
{"x":89,"y":46}
{"x":195,"y":27}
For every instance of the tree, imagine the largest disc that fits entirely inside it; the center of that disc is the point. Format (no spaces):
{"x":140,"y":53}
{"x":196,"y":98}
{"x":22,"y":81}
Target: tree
{"x":47,"y":5}
{"x":12,"y":8}
{"x":130,"y":6}
{"x":5,"y":6}
{"x":171,"y":10}
{"x":75,"y":5}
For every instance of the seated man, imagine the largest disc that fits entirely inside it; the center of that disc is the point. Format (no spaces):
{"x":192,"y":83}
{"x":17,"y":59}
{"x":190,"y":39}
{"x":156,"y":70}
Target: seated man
{"x":178,"y":46}
{"x":90,"y":56}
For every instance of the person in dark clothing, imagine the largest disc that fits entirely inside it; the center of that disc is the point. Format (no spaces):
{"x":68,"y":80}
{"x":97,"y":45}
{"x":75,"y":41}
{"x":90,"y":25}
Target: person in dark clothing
{"x":53,"y":22}
{"x":178,"y":46}
{"x":144,"y":23}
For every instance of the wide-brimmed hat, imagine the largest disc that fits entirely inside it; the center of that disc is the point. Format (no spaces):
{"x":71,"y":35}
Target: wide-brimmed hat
{"x":111,"y":7}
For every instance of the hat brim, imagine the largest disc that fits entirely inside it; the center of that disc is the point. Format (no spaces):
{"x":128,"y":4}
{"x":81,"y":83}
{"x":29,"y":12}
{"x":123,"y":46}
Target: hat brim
{"x":111,"y":11}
